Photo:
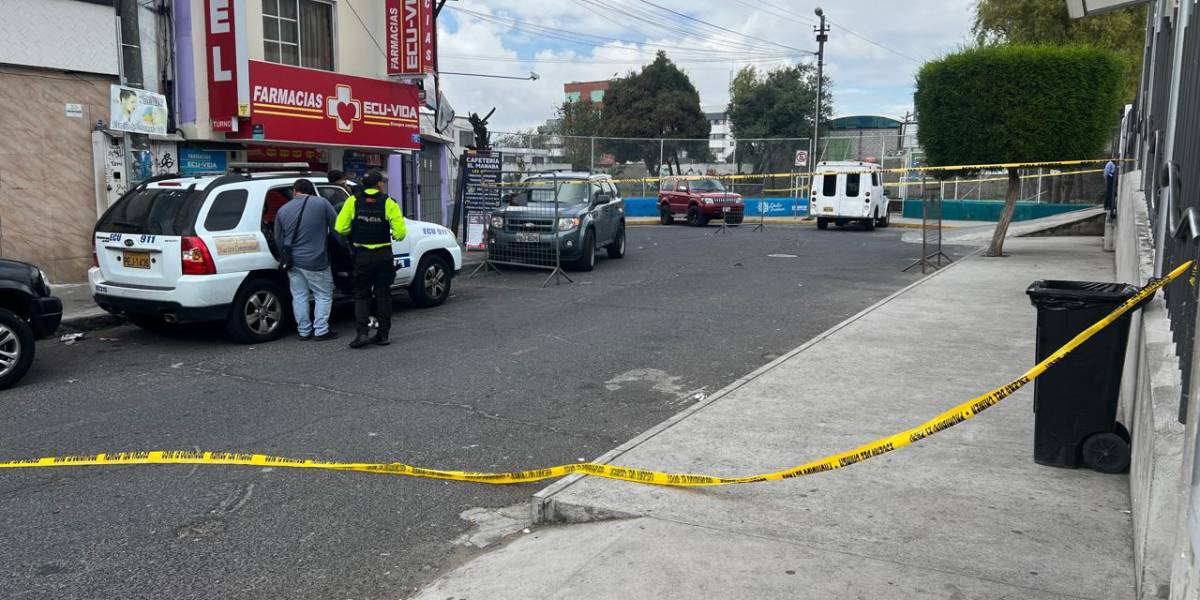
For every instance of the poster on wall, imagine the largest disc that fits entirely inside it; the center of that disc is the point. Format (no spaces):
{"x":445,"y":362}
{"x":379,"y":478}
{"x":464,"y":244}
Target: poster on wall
{"x":479,"y":192}
{"x":202,"y":162}
{"x":137,"y":111}
{"x":356,"y":164}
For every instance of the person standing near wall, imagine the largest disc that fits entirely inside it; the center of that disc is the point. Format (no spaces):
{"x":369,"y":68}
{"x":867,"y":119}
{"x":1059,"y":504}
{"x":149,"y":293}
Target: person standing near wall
{"x":1110,"y":187}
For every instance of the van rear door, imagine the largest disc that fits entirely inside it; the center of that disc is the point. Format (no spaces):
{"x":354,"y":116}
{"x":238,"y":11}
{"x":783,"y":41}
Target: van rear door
{"x":137,"y":241}
{"x":850,"y":203}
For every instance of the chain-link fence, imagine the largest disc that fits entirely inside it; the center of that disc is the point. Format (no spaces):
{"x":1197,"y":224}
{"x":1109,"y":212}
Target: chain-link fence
{"x":772,"y":174}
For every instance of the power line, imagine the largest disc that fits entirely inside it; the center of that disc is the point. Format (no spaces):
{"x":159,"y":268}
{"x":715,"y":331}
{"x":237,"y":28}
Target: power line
{"x":656,"y":20}
{"x":370,"y":34}
{"x":718,"y":27}
{"x":875,"y":43}
{"x":586,"y":39}
{"x":765,"y":8}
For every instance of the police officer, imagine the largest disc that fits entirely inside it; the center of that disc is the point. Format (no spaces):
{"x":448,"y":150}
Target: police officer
{"x":370,"y":219}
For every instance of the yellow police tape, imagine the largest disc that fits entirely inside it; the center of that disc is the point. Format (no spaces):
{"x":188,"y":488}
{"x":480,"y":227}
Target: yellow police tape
{"x":944,"y":421}
{"x":763,"y":176}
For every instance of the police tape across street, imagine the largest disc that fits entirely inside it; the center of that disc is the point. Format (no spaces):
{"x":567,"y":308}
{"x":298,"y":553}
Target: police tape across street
{"x":950,"y":418}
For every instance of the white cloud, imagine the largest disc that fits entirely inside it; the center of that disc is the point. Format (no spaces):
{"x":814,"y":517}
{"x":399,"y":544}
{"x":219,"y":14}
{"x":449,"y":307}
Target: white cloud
{"x":874,"y":80}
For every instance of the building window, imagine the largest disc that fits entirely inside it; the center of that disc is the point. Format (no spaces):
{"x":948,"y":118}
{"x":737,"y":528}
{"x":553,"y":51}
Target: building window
{"x":572,"y":96}
{"x":717,"y":136}
{"x":298,"y":33}
{"x":597,"y":95}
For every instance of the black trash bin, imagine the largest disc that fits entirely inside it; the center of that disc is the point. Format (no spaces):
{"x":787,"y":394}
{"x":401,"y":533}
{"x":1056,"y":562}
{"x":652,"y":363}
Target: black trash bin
{"x":1075,"y":401}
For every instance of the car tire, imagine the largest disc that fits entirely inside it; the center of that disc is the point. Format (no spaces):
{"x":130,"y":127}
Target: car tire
{"x":822,"y":223}
{"x":617,"y":248}
{"x":664,"y":215}
{"x":869,"y":224}
{"x":587,"y":258}
{"x":885,"y":221}
{"x":431,"y":284}
{"x":259,"y":313}
{"x":695,"y":218}
{"x":16,"y":348}
{"x":839,"y":222}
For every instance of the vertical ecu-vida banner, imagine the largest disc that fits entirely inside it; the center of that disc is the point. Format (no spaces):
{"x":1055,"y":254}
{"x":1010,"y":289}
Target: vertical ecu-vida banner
{"x":308,"y":106}
{"x":410,"y":37}
{"x":221,"y":44}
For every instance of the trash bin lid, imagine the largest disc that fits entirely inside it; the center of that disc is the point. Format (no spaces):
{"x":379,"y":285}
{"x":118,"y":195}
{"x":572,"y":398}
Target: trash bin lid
{"x":1052,"y":293}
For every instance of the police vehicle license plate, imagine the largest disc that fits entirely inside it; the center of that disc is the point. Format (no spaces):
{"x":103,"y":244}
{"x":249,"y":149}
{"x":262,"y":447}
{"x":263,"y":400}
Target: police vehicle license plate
{"x":827,"y":209}
{"x":136,"y":260}
{"x":528,"y":238}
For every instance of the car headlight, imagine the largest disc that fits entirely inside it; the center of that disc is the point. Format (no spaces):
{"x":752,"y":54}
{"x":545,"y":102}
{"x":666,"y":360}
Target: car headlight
{"x":708,"y":200}
{"x":42,"y":282}
{"x":498,"y":222}
{"x":568,"y":224}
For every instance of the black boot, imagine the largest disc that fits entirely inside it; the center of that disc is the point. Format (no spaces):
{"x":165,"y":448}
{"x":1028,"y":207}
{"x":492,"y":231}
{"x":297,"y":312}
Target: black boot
{"x":360,"y":341}
{"x":381,"y":338}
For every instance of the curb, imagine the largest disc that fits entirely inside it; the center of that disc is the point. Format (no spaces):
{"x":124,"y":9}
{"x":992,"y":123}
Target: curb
{"x":546,"y":509}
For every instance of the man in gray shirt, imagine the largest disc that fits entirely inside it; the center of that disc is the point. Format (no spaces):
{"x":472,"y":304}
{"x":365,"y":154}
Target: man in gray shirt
{"x":303,"y":226}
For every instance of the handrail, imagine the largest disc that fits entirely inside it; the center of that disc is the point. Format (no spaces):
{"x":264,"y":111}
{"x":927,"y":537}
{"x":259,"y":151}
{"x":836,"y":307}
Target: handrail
{"x":1171,"y":185}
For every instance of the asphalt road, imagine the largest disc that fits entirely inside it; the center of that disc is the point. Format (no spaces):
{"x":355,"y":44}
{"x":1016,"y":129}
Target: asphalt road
{"x":506,"y":375}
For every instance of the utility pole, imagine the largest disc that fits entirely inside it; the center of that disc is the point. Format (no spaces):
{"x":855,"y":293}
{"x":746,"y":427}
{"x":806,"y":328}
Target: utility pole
{"x":822,"y":36}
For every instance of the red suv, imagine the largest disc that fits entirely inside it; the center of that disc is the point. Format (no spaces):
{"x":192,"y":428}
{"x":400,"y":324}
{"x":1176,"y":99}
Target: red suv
{"x":699,"y":200}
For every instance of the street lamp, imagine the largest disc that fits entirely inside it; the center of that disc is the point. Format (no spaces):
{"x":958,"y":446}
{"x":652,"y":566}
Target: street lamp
{"x":822,"y":35}
{"x":531,"y":77}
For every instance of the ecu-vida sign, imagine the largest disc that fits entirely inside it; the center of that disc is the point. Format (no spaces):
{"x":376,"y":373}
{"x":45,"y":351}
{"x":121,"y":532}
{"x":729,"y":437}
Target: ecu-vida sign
{"x":293,"y":104}
{"x":410,"y":37}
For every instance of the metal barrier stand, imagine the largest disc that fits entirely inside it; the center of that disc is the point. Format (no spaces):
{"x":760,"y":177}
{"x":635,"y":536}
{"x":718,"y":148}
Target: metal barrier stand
{"x":525,"y":232}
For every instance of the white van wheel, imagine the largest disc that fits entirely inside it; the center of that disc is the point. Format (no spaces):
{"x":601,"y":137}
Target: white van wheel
{"x":259,"y":313}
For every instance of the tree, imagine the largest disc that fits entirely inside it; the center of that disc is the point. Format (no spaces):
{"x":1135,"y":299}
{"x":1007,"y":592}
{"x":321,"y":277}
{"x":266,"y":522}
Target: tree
{"x":779,"y":103}
{"x":1011,"y":104}
{"x":658,"y":102}
{"x":1047,"y":22}
{"x":579,"y":118}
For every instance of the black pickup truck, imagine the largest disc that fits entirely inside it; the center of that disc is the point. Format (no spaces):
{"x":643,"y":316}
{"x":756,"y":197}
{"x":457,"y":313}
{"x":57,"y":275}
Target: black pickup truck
{"x":28,"y":311}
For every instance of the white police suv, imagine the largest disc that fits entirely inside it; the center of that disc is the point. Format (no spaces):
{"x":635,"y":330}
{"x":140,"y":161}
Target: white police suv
{"x":177,"y":249}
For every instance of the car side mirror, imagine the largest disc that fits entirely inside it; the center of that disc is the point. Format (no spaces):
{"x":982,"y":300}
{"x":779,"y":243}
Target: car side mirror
{"x":603,"y":199}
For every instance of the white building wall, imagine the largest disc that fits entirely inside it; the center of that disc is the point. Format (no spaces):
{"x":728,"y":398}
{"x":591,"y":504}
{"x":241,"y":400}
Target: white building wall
{"x":63,"y":35}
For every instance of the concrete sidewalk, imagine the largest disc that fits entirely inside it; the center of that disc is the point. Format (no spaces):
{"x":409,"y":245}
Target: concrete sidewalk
{"x":964,"y":514}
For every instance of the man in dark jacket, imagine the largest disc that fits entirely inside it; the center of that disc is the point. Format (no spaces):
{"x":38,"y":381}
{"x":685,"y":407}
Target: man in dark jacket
{"x":302,"y":228}
{"x":371,"y":220}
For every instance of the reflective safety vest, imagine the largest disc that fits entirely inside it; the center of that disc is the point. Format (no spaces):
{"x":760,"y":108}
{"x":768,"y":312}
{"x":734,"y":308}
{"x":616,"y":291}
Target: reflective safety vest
{"x":370,"y":225}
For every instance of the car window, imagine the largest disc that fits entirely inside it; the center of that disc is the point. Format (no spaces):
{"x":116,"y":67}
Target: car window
{"x":158,"y":211}
{"x":609,"y":189}
{"x":874,"y":178}
{"x":596,"y":191}
{"x":707,"y":185}
{"x":334,"y":194}
{"x":276,"y":198}
{"x":829,"y":185}
{"x":226,"y":210}
{"x":852,"y":184}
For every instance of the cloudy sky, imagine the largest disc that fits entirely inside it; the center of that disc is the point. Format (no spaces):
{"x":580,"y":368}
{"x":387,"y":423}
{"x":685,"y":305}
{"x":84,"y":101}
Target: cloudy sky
{"x":873,"y":52}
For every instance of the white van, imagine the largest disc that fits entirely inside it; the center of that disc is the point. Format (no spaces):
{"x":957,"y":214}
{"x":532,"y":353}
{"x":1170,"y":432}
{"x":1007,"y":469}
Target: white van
{"x":844,"y":191}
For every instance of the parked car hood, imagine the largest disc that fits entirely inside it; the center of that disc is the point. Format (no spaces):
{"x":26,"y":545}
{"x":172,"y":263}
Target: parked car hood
{"x":543,"y":211}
